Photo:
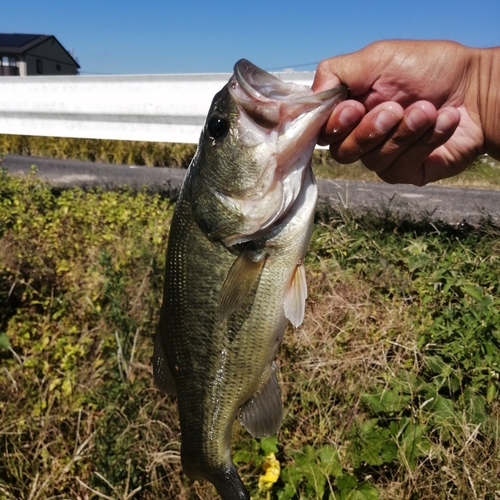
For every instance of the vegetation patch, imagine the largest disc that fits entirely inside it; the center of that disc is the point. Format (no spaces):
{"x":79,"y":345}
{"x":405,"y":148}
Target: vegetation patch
{"x":151,"y":154}
{"x":483,"y":173}
{"x":390,"y":386}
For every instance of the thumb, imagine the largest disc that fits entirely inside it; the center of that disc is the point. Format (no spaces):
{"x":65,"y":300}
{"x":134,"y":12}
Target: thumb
{"x":355,"y":70}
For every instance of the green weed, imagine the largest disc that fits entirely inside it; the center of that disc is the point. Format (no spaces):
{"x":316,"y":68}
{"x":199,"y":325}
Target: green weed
{"x":483,"y":173}
{"x":390,"y":386}
{"x":151,"y":154}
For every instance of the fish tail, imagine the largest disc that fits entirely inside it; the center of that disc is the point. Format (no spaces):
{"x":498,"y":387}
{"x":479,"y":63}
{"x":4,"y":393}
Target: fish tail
{"x":229,"y":485}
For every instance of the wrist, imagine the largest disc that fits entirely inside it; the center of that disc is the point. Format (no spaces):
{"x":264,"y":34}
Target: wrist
{"x":488,"y":98}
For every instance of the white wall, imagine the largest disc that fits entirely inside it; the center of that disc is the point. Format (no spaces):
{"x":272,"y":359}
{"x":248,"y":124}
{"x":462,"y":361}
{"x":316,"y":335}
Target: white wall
{"x":163,"y":108}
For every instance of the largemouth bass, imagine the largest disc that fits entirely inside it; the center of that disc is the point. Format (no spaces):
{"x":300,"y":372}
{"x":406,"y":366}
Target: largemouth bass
{"x":234,"y":265}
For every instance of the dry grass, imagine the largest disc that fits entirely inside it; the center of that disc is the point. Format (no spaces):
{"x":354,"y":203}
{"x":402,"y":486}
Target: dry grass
{"x":483,"y":173}
{"x":80,"y":287}
{"x":151,"y":154}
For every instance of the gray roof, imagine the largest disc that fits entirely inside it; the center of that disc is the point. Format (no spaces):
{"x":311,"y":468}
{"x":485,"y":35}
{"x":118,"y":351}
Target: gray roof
{"x":19,"y":43}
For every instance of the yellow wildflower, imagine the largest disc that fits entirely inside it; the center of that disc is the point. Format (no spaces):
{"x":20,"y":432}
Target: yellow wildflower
{"x":271,"y":467}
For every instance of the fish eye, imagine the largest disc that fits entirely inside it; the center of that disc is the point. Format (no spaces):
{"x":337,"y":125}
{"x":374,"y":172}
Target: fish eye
{"x":217,"y":126}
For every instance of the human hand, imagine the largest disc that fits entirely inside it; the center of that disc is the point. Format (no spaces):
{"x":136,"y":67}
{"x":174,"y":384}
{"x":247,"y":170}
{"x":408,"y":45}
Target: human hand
{"x":413,"y":116}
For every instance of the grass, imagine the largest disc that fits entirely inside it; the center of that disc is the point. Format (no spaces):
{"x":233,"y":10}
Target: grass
{"x":483,"y":173}
{"x":390,"y":386}
{"x":151,"y":154}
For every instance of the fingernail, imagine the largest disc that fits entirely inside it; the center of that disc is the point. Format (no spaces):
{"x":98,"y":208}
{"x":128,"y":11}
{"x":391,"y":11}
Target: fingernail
{"x":444,"y":122}
{"x":349,"y":116}
{"x":416,"y":119}
{"x":386,"y":120}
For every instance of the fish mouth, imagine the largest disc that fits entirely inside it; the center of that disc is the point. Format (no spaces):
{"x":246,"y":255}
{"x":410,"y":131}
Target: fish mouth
{"x":258,"y":87}
{"x":269,"y":100}
{"x":281,"y":121}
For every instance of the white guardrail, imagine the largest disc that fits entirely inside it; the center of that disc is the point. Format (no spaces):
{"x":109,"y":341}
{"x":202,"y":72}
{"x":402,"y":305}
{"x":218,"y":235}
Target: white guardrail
{"x":163,"y":108}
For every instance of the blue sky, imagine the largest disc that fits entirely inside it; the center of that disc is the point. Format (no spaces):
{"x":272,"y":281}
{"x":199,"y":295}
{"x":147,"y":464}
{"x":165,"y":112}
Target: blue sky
{"x":186,"y":36}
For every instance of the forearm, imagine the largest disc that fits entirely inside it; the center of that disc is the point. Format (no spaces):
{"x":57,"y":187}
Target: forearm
{"x":488,"y":75}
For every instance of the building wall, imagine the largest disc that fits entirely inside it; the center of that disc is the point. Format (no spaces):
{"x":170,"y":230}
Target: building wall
{"x":54,"y":60}
{"x":48,"y":66}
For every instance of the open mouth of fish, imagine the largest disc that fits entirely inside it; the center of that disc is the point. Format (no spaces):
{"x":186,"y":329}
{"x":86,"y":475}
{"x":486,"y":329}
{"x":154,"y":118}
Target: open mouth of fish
{"x":283,"y":120}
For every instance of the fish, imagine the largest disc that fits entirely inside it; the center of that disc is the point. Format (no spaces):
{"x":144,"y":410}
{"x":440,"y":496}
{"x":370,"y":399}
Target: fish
{"x":234,"y":269}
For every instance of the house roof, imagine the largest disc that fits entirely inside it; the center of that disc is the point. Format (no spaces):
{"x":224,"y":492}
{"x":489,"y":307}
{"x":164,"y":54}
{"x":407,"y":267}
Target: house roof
{"x":20,"y":43}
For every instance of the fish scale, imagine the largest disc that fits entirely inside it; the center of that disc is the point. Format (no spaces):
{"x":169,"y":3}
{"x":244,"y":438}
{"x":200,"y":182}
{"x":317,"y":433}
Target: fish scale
{"x":234,"y":267}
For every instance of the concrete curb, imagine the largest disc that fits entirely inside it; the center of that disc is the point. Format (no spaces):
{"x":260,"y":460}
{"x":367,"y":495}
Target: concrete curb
{"x":451,"y":205}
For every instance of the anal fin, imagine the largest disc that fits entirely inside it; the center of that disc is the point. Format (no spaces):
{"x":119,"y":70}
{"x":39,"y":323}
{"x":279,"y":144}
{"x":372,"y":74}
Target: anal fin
{"x":296,"y":295}
{"x":262,"y":414}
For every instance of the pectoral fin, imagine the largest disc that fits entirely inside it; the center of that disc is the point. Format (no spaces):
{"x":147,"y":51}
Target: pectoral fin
{"x":161,"y":373}
{"x":263,"y":413}
{"x":240,"y":280}
{"x":295,"y":296}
